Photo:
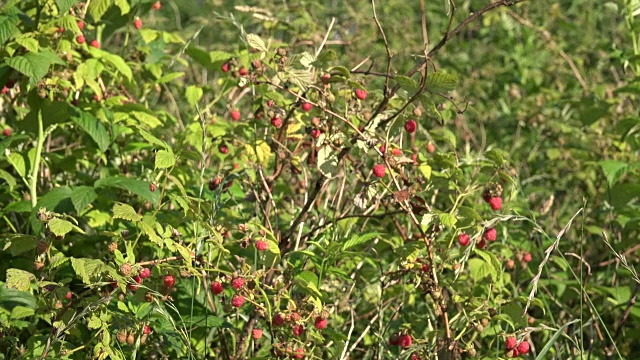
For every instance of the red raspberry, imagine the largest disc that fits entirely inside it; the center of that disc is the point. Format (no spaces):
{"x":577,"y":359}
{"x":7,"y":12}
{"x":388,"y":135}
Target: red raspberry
{"x":277,"y":320}
{"x":169,"y":281}
{"x":306,"y":107}
{"x":270,"y":103}
{"x":463,"y":239}
{"x":299,"y":353}
{"x":379,"y":170}
{"x":215,"y":182}
{"x":81,"y":25}
{"x":415,"y":356}
{"x":320,"y":323}
{"x":482,"y":244}
{"x":137,"y":23}
{"x":325,"y":78}
{"x":80,"y":39}
{"x":146,"y":330}
{"x":262,"y":245}
{"x":68,"y":295}
{"x":425,"y":267}
{"x":145,"y":273}
{"x":60,"y":30}
{"x":6,"y":132}
{"x":276,"y":121}
{"x":361,"y":94}
{"x":383,"y":148}
{"x":523,"y":347}
{"x":510,"y":343}
{"x":527,"y":257}
{"x":134,"y":287}
{"x":410,"y":126}
{"x":414,"y":158}
{"x":235,"y":115}
{"x":156,"y":5}
{"x":152,"y":187}
{"x":298,"y":330}
{"x":496,"y":203}
{"x":243,"y":71}
{"x":95,"y":43}
{"x":315,"y":133}
{"x":394,"y":340}
{"x":5,"y":90}
{"x":404,"y":340}
{"x":491,"y":234}
{"x":237,"y":283}
{"x":396,"y":152}
{"x":216,"y":288}
{"x":223,"y":149}
{"x":295,"y":317}
{"x":431,"y":148}
{"x":237,"y":301}
{"x":514,"y":353}
{"x":225,"y":67}
{"x":256,"y":334}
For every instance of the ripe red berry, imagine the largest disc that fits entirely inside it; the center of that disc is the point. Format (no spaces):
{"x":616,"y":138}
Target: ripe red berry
{"x":510,"y":343}
{"x":325,"y":78}
{"x":299,"y":353}
{"x":223,"y":149}
{"x":262,"y":245}
{"x":60,"y":30}
{"x":383,"y":148}
{"x":169,"y":281}
{"x":146,"y":330}
{"x":80,"y":39}
{"x":320,"y":323}
{"x":137,"y":23}
{"x":527,"y":257}
{"x":6,"y":132}
{"x":270,"y":103}
{"x":410,"y":126}
{"x":225,"y":67}
{"x":256,"y":334}
{"x":156,"y":5}
{"x":237,"y":283}
{"x":396,"y":152}
{"x":243,"y":71}
{"x":463,"y":239}
{"x":514,"y":353}
{"x":295,"y":317}
{"x":415,"y":356}
{"x":482,"y":244}
{"x":276,"y":121}
{"x":237,"y":300}
{"x":431,"y":148}
{"x":298,"y":330}
{"x":215,"y":182}
{"x":425,"y":267}
{"x":306,"y":107}
{"x":404,"y":340}
{"x":491,"y":234}
{"x":361,"y":94}
{"x":277,"y":320}
{"x":379,"y":170}
{"x":68,"y":295}
{"x":95,"y":43}
{"x":315,"y":133}
{"x":414,"y":158}
{"x":523,"y":347}
{"x":134,"y":287}
{"x":394,"y":340}
{"x":235,"y":115}
{"x":152,"y":187}
{"x":145,"y":273}
{"x":216,"y":288}
{"x":5,"y":90}
{"x":81,"y":25}
{"x":496,"y":203}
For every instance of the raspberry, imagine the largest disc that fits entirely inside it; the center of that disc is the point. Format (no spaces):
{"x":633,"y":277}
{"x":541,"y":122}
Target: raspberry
{"x":68,"y":295}
{"x":216,"y":288}
{"x":276,"y":121}
{"x":262,"y":245}
{"x":121,"y":336}
{"x":294,"y":317}
{"x":95,"y":43}
{"x":125,"y":269}
{"x":396,"y":152}
{"x":243,"y":71}
{"x":152,"y":187}
{"x":415,"y":356}
{"x":379,"y":170}
{"x":256,"y":334}
{"x":306,"y":107}
{"x":298,"y":330}
{"x":394,"y":340}
{"x":169,"y":281}
{"x":425,"y":267}
{"x":410,"y":126}
{"x":383,"y":148}
{"x":270,"y":103}
{"x":145,"y":273}
{"x":237,"y":300}
{"x":320,"y":323}
{"x":81,"y":25}
{"x":496,"y":203}
{"x":404,"y":340}
{"x":510,"y":343}
{"x":223,"y":149}
{"x":315,"y":133}
{"x":361,"y":94}
{"x":156,"y":5}
{"x":481,"y":244}
{"x":134,"y":287}
{"x":146,"y":330}
{"x":235,"y":115}
{"x":131,"y":339}
{"x":80,"y":39}
{"x":527,"y":257}
{"x":225,"y":67}
{"x":237,"y":283}
{"x":325,"y":78}
{"x":215,"y":182}
{"x":277,"y":320}
{"x":137,"y":23}
{"x":523,"y":347}
{"x":299,"y":353}
{"x":60,"y":30}
{"x":491,"y":234}
{"x":463,"y":239}
{"x":431,"y":148}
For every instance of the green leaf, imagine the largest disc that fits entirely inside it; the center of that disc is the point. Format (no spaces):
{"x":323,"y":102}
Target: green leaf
{"x":152,"y":139}
{"x":20,"y":312}
{"x":60,"y":227}
{"x":7,"y":27}
{"x":193,"y":94}
{"x":327,"y":161}
{"x":613,"y":170}
{"x":114,"y":60}
{"x":441,"y":82}
{"x":19,"y":279}
{"x":406,"y":83}
{"x":11,"y":181}
{"x":18,"y":163}
{"x":97,"y":8}
{"x":18,"y":244}
{"x":82,"y":196}
{"x":256,"y":42}
{"x":10,"y":298}
{"x":138,"y":187}
{"x":54,"y":200}
{"x":65,"y":5}
{"x":125,"y":211}
{"x":124,"y":6}
{"x":94,"y":322}
{"x":165,"y":159}
{"x":359,"y":239}
{"x":308,"y":281}
{"x":33,"y":65}
{"x":86,"y":268}
{"x":170,"y":77}
{"x":93,"y":127}
{"x":28,"y":42}
{"x":447,"y":220}
{"x":545,"y":349}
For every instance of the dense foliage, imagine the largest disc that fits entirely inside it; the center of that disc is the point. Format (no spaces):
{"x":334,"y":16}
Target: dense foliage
{"x":319,"y":179}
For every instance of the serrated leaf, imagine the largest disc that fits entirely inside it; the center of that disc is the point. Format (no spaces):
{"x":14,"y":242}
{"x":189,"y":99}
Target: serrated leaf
{"x":82,"y":196}
{"x":147,"y":119}
{"x":152,"y":139}
{"x":447,"y":220}
{"x":97,"y":8}
{"x":359,"y":239}
{"x":256,"y":42}
{"x":170,"y":77}
{"x":60,"y":227}
{"x":441,"y":82}
{"x":151,"y":233}
{"x":114,"y":60}
{"x":308,"y":281}
{"x":165,"y":159}
{"x":613,"y":170}
{"x":20,"y":312}
{"x":92,"y":127}
{"x":124,"y":6}
{"x":193,"y":95}
{"x":327,"y":161}
{"x":10,"y":298}
{"x":28,"y":43}
{"x":138,"y":187}
{"x":19,"y":279}
{"x":7,"y":27}
{"x":17,"y":161}
{"x":94,"y":322}
{"x":10,"y":180}
{"x":406,"y":83}
{"x":65,"y":5}
{"x":18,"y":244}
{"x":33,"y":65}
{"x":125,"y":211}
{"x":86,"y":268}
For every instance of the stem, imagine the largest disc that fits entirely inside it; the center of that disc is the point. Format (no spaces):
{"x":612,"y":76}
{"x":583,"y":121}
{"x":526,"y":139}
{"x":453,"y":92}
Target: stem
{"x":36,"y":163}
